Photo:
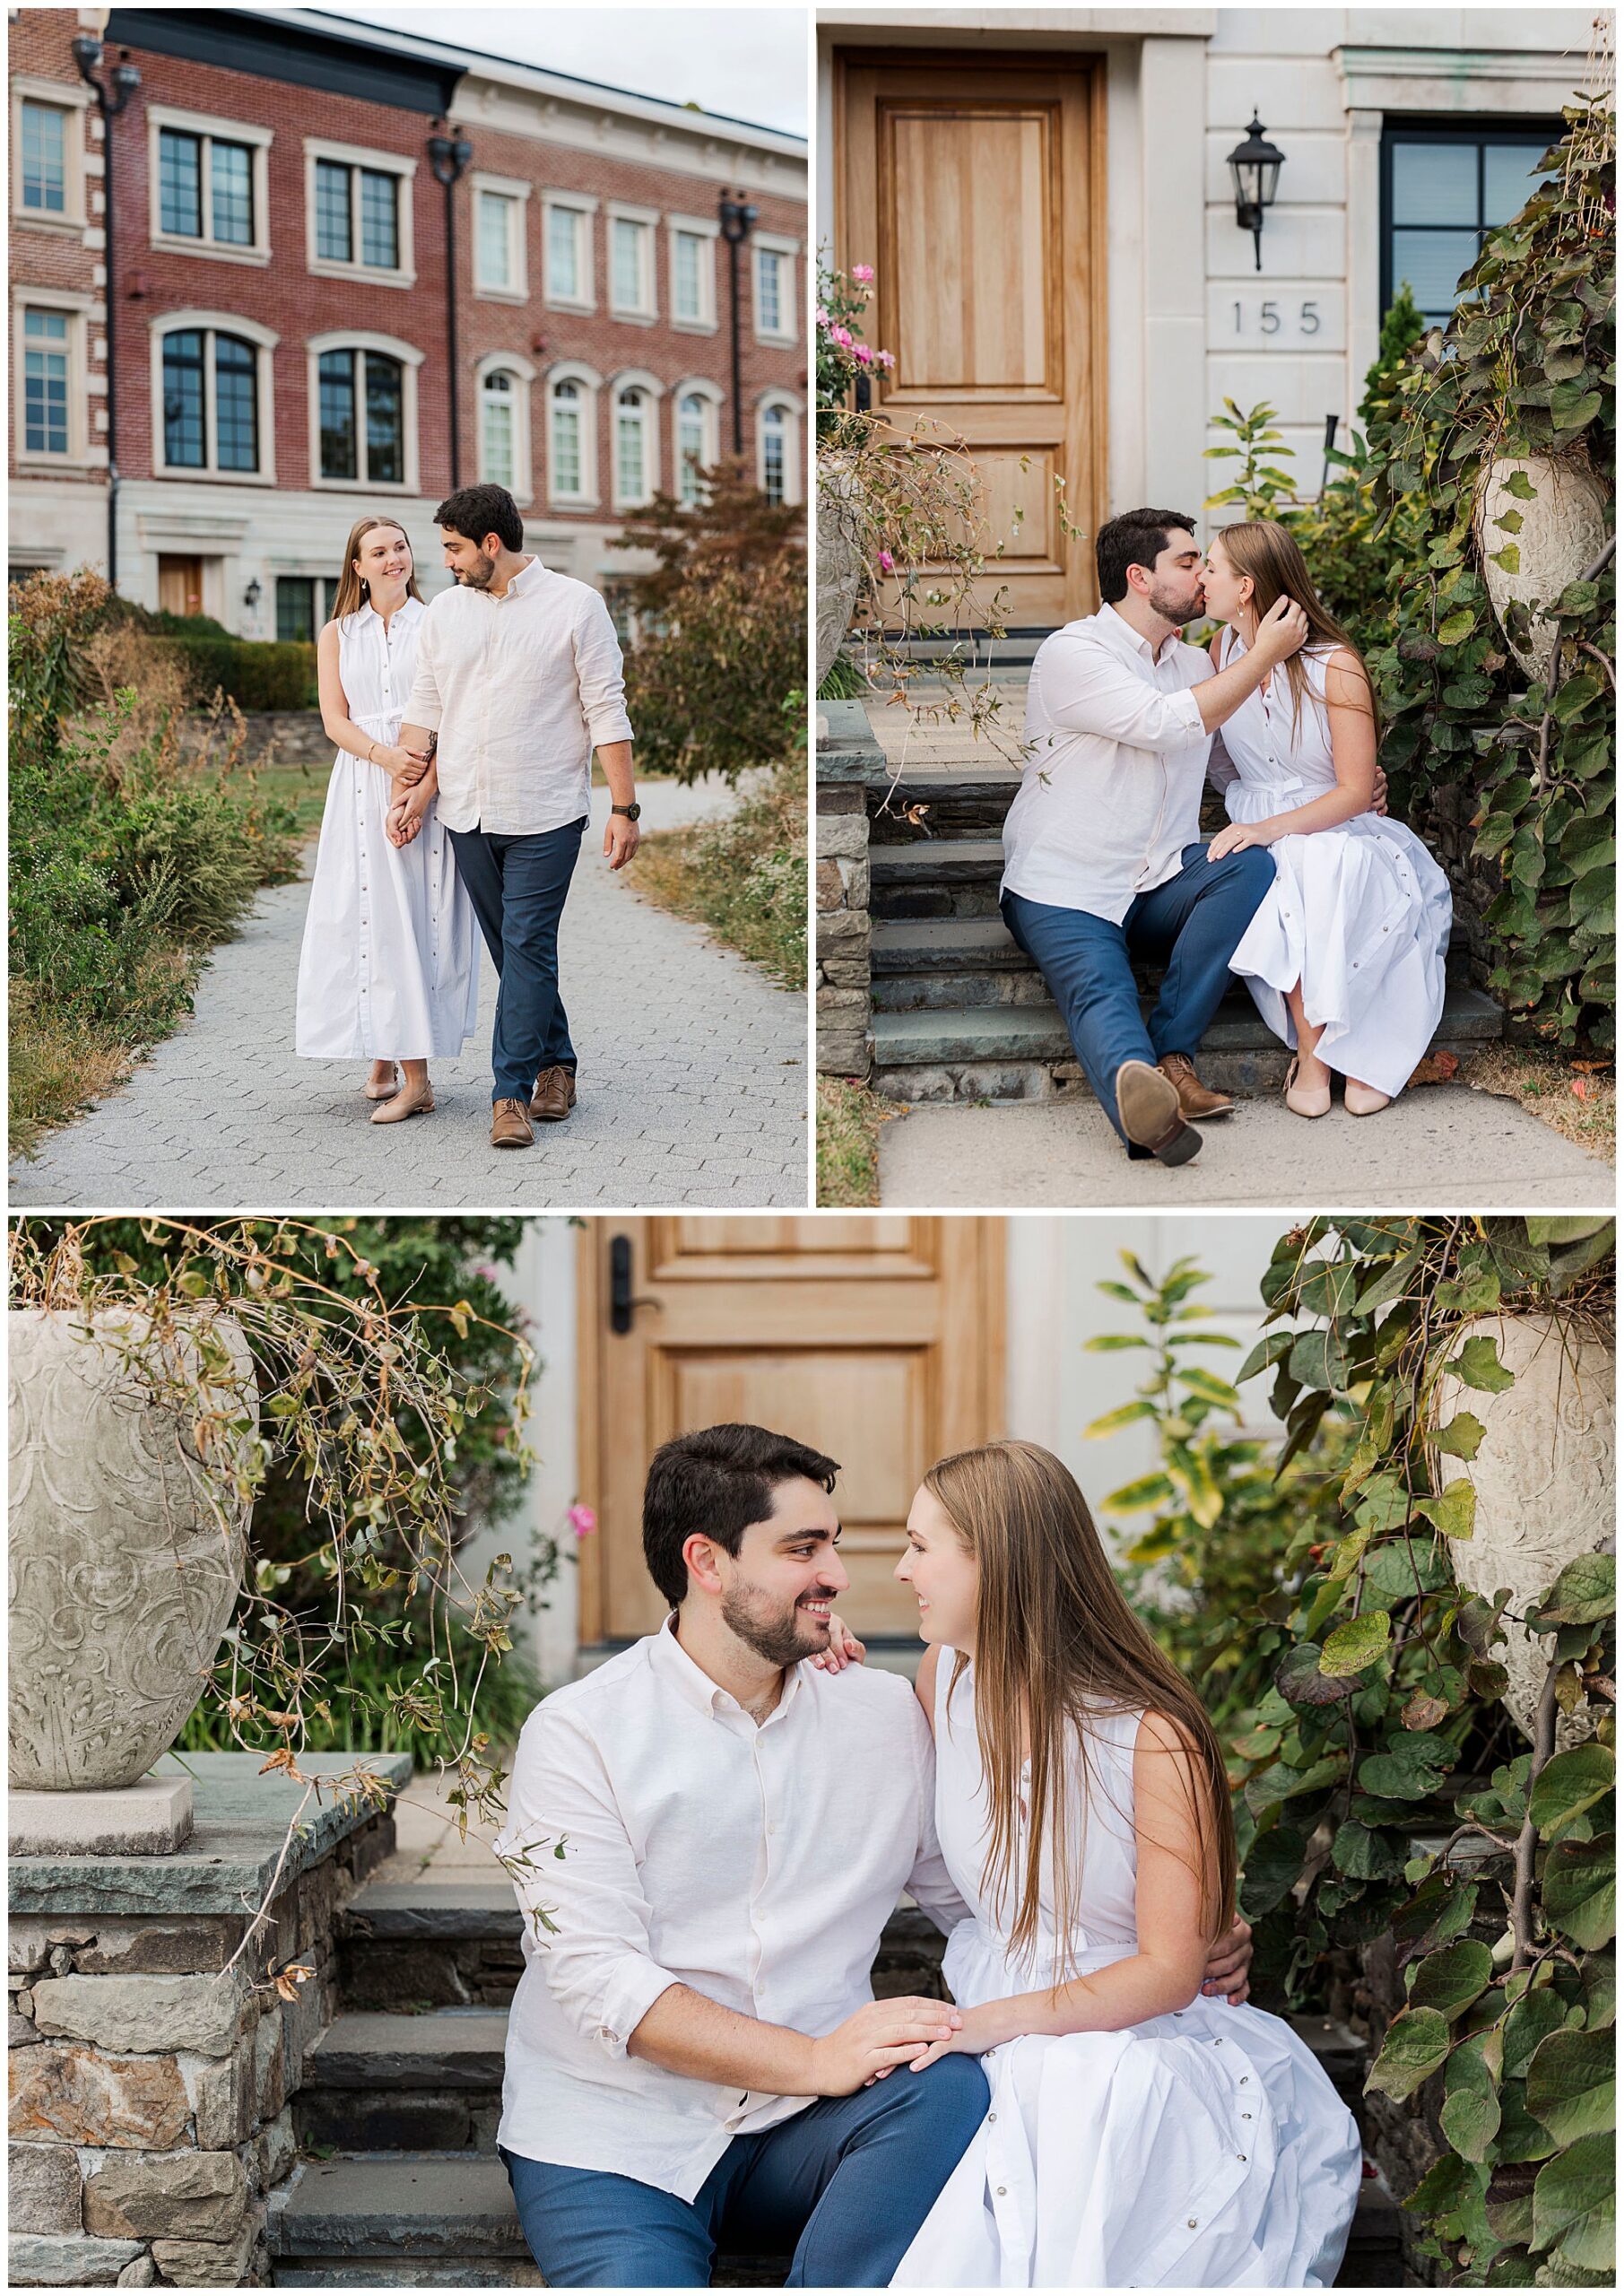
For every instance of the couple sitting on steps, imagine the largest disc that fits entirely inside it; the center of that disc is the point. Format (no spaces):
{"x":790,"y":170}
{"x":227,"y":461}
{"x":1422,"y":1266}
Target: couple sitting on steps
{"x":709,"y":1833}
{"x":1336,"y":917}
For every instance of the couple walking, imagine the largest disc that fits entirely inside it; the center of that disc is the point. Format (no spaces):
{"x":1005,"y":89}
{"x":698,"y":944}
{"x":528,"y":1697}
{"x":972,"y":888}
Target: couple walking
{"x":708,"y":1836}
{"x":1336,"y":917}
{"x":460,"y":793}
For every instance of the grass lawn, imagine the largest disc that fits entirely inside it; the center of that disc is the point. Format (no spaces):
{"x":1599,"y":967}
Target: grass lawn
{"x":745,"y":876}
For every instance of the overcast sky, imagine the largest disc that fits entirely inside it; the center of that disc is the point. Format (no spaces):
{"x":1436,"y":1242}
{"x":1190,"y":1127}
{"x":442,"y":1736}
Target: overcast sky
{"x":748,"y":61}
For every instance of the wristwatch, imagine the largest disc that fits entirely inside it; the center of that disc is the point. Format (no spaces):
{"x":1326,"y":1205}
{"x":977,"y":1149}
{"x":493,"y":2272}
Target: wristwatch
{"x":632,"y":812}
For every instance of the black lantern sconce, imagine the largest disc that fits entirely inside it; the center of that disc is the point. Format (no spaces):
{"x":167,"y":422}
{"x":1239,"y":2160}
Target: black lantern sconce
{"x":1255,"y":168}
{"x":251,"y":595}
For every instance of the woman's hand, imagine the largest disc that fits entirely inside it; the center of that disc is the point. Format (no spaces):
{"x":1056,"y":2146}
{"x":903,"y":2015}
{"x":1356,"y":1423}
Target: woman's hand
{"x":1236,"y":836}
{"x":875,"y":2039}
{"x":844,"y":1647}
{"x":404,"y":818}
{"x":405,"y":767}
{"x":972,"y":2037}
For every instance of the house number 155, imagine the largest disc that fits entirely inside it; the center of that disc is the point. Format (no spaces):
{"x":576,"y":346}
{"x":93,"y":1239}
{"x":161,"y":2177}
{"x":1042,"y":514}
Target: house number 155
{"x":1269,"y":320}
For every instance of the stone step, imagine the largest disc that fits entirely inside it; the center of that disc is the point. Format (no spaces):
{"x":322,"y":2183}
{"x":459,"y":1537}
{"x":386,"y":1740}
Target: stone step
{"x":967,"y":943}
{"x":447,"y":2048}
{"x":937,"y":861}
{"x":420,"y":1946}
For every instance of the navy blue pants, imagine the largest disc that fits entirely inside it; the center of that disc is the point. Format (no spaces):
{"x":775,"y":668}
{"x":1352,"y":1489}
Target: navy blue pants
{"x":1194,"y":924}
{"x":847,"y":2182}
{"x":518,"y":885}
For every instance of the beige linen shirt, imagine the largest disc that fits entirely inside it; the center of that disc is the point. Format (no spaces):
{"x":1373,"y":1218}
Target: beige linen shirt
{"x":757,"y":1865}
{"x":1118,"y":758}
{"x":521,"y":690}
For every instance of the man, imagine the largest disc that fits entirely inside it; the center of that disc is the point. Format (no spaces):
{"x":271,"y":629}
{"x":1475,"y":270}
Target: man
{"x":1103,"y":857}
{"x":518,"y":677}
{"x":714,"y":1834}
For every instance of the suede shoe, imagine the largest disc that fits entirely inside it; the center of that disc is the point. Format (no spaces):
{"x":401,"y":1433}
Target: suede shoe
{"x":554,"y":1095}
{"x":1147,"y":1103}
{"x":1197,"y":1101}
{"x":510,"y":1126}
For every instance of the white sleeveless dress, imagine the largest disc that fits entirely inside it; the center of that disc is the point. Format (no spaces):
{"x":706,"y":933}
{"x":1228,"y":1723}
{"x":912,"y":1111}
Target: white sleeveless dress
{"x":1359,"y":914}
{"x":389,"y":968}
{"x":1204,"y":2149}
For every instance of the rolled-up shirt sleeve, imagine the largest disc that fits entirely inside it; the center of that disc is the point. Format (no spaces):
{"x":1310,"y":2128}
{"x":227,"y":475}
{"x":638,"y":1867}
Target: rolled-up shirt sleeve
{"x":600,"y":675}
{"x":425,"y":704}
{"x":595,"y":1957}
{"x":1088,"y":690}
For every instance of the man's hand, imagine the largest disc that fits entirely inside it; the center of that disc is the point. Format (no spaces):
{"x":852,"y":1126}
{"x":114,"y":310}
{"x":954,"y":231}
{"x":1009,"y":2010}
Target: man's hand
{"x":874,"y":2039}
{"x":1281,"y":632}
{"x":621,"y":840}
{"x":1229,"y":1965}
{"x":403,"y":822}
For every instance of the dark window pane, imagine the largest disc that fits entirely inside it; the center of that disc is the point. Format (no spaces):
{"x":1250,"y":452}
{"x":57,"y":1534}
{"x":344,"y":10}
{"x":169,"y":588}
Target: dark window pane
{"x":183,"y":445}
{"x":379,"y":240}
{"x":295,"y":614}
{"x":330,"y":594}
{"x":385,"y":450}
{"x":1433,"y":262}
{"x":231,"y":182}
{"x":1509,"y":181}
{"x":335,"y":386}
{"x":236,"y":405}
{"x":333,"y":241}
{"x":180,"y":183}
{"x":44,"y":166}
{"x":45,"y":383}
{"x":1435,"y":183}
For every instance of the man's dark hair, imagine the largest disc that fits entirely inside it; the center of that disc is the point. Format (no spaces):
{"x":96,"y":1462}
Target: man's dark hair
{"x":1133,"y":538}
{"x":475,"y":511}
{"x":717,"y":1481}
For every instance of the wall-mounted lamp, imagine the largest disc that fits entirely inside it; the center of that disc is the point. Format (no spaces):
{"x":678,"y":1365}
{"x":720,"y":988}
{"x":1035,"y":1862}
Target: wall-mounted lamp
{"x":251,"y":595}
{"x":1255,"y":168}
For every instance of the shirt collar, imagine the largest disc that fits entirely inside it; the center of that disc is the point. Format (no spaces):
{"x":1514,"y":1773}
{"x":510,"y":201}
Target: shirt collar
{"x":693,"y":1682}
{"x":1121,"y":632}
{"x":527,"y":576}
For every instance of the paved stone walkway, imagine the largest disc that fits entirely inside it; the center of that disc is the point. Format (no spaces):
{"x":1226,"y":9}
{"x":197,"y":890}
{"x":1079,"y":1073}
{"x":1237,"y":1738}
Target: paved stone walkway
{"x":693,"y":1082}
{"x":1440,"y":1147}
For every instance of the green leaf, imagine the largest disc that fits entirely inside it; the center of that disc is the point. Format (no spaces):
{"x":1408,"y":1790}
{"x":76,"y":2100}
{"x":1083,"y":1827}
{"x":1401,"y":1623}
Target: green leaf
{"x":1478,"y":1366}
{"x":1574,"y":2203}
{"x":1459,"y":625}
{"x":1365,"y":1855}
{"x":1399,"y":1573}
{"x":1461,"y":1438}
{"x":1571,"y":2083}
{"x":1569,"y":1783}
{"x":1209,"y":1388}
{"x":1519,"y":484}
{"x":1413,"y":1765}
{"x":1125,"y":1415}
{"x":1415,"y":2044}
{"x":1147,"y":1491}
{"x":1301,"y":1681}
{"x":1470,"y":2115}
{"x":1451,"y":1978}
{"x":1580,"y":1889}
{"x":1454,"y":1512}
{"x":1319,"y":1360}
{"x":1272,"y":1866}
{"x":1584,"y":1591}
{"x":1268,"y":1350}
{"x":1535,"y":2015}
{"x":1111,"y":1343}
{"x":1572,"y":413}
{"x":1356,"y":1644}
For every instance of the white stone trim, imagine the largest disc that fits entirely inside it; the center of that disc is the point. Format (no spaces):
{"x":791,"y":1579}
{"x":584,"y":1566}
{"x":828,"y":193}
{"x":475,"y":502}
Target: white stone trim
{"x":207,"y":127}
{"x":392,"y":347}
{"x":211,"y":323}
{"x":522,"y":370}
{"x":357,"y":156}
{"x":645,"y":221}
{"x":72,"y":101}
{"x":590,"y":384}
{"x":795,"y":410}
{"x":707,"y":230}
{"x":776,"y":243}
{"x":517,"y":192}
{"x":584,"y":208}
{"x":77,"y":306}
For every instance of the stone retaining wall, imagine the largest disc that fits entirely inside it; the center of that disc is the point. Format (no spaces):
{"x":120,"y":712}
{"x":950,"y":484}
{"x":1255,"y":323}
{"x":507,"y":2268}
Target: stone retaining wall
{"x":848,"y":756}
{"x":150,"y":2071}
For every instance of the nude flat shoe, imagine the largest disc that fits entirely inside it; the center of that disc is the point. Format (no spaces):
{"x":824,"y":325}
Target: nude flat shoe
{"x":419,"y":1101}
{"x":384,"y":1091}
{"x":1364,"y":1100}
{"x":1301,"y":1099}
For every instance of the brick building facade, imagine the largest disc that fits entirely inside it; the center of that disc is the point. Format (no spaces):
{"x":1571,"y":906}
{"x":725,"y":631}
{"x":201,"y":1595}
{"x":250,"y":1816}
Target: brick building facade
{"x":284,"y":348}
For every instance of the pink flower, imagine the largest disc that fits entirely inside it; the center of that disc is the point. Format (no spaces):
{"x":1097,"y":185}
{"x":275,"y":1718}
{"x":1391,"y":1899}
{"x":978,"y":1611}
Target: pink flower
{"x":863,"y":273}
{"x":842,"y":335}
{"x":862,"y":353}
{"x":885,"y":358}
{"x":582,"y":1521}
{"x":888,"y":564}
{"x":822,"y":316}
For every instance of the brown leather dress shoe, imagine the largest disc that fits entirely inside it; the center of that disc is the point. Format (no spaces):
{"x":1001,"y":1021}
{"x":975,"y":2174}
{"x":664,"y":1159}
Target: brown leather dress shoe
{"x":554,"y":1095}
{"x":1196,"y":1102}
{"x":510,"y":1126}
{"x":1147,"y":1103}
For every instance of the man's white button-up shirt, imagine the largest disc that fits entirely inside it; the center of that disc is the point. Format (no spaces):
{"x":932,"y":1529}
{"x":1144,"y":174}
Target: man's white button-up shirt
{"x":521,"y":690}
{"x":1110,"y":792}
{"x":757,"y":1865}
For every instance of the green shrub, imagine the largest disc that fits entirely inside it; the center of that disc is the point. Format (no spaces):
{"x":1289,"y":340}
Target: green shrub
{"x":745,"y":874}
{"x":256,"y":675}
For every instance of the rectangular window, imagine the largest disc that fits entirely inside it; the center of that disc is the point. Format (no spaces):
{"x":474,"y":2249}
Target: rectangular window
{"x":770,"y":291}
{"x":497,"y":454}
{"x":45,"y":382}
{"x":295,"y":608}
{"x":1445,"y":185}
{"x":495,"y":240}
{"x":566,"y":441}
{"x":44,"y":142}
{"x":385,"y":422}
{"x":236,"y":405}
{"x":180,"y":183}
{"x":629,"y":260}
{"x":336,"y":387}
{"x":566,"y":271}
{"x":231,"y":193}
{"x":185,"y":441}
{"x":686,"y":299}
{"x":334,"y":243}
{"x":379,"y":227}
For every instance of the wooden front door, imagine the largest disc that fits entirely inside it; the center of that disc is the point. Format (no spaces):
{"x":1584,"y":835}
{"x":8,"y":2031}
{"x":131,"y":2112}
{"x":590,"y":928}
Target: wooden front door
{"x":179,"y":585}
{"x":973,"y":185}
{"x":879,"y":1339}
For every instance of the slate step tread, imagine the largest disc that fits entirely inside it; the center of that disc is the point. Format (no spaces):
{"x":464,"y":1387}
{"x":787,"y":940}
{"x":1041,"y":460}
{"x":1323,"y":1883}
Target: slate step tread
{"x":416,"y":1911}
{"x":961,"y":943}
{"x":444,"y":2048}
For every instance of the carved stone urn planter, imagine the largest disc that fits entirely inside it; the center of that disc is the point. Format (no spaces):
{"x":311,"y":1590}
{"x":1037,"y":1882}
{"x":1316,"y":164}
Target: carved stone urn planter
{"x":840,"y":557}
{"x":1544,"y":1479}
{"x":1562,"y":532}
{"x":126,"y":1555}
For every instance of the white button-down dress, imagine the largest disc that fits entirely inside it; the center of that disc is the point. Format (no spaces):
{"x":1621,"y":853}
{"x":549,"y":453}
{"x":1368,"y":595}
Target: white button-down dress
{"x":1204,"y":2149}
{"x":389,"y":970}
{"x":1359,"y":914}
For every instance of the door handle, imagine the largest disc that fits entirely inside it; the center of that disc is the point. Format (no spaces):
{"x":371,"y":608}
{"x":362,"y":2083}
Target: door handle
{"x":622,"y":1305}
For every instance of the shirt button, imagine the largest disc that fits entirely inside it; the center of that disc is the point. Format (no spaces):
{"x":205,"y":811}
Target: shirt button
{"x":992,"y":2116}
{"x":1002,"y":2191}
{"x":1190,"y":2220}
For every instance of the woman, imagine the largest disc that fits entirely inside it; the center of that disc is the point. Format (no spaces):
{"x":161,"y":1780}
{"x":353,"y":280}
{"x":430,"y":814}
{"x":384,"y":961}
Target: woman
{"x":1345,"y":957}
{"x":389,"y":970}
{"x":1140,"y":2134}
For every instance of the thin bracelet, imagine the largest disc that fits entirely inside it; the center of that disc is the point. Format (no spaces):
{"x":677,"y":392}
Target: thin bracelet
{"x":371,"y":748}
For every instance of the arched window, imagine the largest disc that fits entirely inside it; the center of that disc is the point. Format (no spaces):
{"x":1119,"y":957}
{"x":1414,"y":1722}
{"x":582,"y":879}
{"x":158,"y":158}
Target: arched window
{"x":772,"y":453}
{"x":504,"y":422}
{"x":212,"y":382}
{"x":363,"y":391}
{"x":570,"y":409}
{"x":696,"y":420}
{"x":779,"y":448}
{"x":632,"y":482}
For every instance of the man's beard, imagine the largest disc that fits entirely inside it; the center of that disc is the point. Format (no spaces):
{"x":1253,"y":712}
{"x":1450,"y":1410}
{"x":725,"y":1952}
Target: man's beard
{"x":1175,"y":607}
{"x":780,"y":1637}
{"x":478,"y":577}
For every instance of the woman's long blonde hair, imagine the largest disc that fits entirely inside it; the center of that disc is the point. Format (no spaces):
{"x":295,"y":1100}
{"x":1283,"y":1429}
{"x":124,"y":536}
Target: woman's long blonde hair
{"x":1056,"y":1647}
{"x":353,"y":592}
{"x":1268,"y":552}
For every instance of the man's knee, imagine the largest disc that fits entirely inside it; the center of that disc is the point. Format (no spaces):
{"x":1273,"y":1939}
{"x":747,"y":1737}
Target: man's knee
{"x":954,"y":2091}
{"x":1252,"y":869}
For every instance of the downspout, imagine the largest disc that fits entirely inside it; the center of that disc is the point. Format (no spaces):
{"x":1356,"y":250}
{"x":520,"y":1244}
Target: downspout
{"x":88,"y":55}
{"x":449,"y":156}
